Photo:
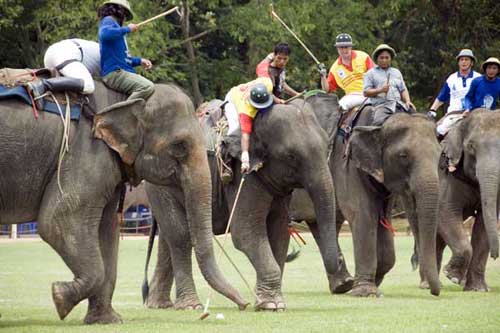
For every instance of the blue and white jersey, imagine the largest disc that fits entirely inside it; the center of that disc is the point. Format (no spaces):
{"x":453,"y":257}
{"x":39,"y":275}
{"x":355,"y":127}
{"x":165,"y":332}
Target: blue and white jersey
{"x":454,"y":90}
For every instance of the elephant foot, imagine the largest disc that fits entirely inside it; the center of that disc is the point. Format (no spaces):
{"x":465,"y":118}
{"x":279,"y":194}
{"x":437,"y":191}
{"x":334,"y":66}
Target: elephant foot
{"x":158,"y":303}
{"x":108,"y":316}
{"x":478,"y":285}
{"x":454,"y":274}
{"x":424,"y":284}
{"x":365,"y":289}
{"x":191,"y":303}
{"x":341,"y":286}
{"x":63,"y":297}
{"x":266,"y":302}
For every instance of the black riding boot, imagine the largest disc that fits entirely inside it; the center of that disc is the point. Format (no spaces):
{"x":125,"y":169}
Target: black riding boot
{"x":56,"y":84}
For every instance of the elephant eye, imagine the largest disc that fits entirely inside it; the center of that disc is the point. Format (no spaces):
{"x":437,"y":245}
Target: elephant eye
{"x":403,"y":154}
{"x":179,"y":148}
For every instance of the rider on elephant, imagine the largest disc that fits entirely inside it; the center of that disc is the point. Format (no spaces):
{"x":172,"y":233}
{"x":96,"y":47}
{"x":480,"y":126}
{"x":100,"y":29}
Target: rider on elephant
{"x":243,"y":103}
{"x":347,"y":72}
{"x":273,"y":67}
{"x":484,"y":90}
{"x":385,"y":86}
{"x":77,"y":60}
{"x":453,"y":92}
{"x":117,"y":66}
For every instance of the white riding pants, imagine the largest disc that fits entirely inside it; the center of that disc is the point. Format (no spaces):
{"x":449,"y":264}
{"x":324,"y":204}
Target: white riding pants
{"x":351,"y":100}
{"x":447,"y":122}
{"x":66,"y":50}
{"x":233,"y":118}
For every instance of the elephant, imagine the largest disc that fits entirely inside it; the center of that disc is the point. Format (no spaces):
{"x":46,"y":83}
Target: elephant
{"x":469,"y":185}
{"x":157,"y":140}
{"x":379,"y":162}
{"x":292,"y":147}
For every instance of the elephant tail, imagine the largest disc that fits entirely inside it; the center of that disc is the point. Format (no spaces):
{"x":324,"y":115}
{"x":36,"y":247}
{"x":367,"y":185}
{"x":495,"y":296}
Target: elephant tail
{"x":414,"y":260}
{"x":145,"y":285}
{"x":293,"y":255}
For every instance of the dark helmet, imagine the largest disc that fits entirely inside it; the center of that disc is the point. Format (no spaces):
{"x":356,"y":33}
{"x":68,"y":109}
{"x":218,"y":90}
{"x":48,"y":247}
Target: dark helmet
{"x":343,"y":40}
{"x":260,"y":96}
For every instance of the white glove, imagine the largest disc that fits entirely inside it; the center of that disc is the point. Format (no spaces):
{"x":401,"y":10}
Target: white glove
{"x":245,"y":162}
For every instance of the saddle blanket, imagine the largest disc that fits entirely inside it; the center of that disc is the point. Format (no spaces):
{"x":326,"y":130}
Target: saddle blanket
{"x":20,"y":93}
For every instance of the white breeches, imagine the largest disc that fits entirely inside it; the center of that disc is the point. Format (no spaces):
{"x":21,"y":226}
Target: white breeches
{"x":447,"y":122}
{"x":349,"y":101}
{"x":66,"y":50}
{"x":233,"y":119}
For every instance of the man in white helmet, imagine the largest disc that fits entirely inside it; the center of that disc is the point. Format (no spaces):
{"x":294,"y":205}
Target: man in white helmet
{"x":453,"y":92}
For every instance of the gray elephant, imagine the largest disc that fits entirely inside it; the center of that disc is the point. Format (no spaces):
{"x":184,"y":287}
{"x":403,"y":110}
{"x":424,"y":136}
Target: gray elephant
{"x":290,"y":143}
{"x":469,"y":186}
{"x":158,"y":141}
{"x":398,"y":158}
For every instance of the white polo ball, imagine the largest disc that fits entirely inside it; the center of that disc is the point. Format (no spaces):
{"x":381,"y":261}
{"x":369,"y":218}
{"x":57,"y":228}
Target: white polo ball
{"x":219,"y":316}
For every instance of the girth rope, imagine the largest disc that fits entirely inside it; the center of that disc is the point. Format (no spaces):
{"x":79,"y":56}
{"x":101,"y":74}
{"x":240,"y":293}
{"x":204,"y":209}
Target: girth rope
{"x":221,"y":125}
{"x":66,"y":120}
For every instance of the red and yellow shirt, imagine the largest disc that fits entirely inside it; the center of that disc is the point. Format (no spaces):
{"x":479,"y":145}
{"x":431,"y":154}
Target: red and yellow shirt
{"x":349,"y":77}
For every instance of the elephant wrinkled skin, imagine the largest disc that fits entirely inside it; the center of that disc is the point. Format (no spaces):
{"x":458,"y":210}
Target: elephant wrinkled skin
{"x":158,"y":141}
{"x":398,"y":158}
{"x":293,"y":148}
{"x":473,"y":148}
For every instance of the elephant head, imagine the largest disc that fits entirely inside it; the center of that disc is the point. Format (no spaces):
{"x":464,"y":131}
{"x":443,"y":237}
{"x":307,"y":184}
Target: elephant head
{"x":161,"y":141}
{"x":294,"y":149}
{"x":403,"y":155}
{"x":475,"y":145}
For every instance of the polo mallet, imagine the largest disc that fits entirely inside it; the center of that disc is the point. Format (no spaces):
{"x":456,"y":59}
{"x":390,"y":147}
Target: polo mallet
{"x":205,"y":312}
{"x":274,"y":15}
{"x":299,"y":95}
{"x":170,"y":11}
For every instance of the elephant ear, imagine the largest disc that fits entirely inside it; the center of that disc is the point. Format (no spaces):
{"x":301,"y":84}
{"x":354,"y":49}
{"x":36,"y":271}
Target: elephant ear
{"x":453,"y":144}
{"x":365,"y":150}
{"x":120,"y":128}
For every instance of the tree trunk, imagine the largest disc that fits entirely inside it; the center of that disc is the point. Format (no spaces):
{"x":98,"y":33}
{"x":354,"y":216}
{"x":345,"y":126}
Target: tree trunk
{"x":193,"y":68}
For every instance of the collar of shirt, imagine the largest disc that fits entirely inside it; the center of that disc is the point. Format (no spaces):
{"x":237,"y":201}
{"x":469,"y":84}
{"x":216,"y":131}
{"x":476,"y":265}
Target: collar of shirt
{"x":348,"y":66}
{"x":471,"y":74}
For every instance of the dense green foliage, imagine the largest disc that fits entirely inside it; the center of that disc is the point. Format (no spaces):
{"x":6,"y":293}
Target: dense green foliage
{"x":238,"y":33}
{"x":28,"y":268}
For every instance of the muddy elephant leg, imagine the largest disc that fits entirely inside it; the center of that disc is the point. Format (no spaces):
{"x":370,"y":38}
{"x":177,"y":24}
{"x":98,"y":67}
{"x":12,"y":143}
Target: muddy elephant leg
{"x":100,"y":309}
{"x":386,"y":256}
{"x":249,"y":235}
{"x":175,"y":230}
{"x":73,"y":232}
{"x":452,"y":232}
{"x":163,"y":278}
{"x":476,"y":274}
{"x":277,"y":230}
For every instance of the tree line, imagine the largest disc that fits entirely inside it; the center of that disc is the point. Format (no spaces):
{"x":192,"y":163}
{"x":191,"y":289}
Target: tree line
{"x":218,"y":43}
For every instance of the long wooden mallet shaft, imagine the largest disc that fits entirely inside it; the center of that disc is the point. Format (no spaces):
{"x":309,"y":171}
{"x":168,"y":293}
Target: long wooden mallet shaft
{"x":170,"y":11}
{"x":273,"y":14}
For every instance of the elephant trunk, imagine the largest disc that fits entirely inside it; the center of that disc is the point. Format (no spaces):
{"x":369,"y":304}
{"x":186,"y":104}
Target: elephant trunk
{"x":197,"y":188}
{"x":427,"y":200}
{"x":319,"y":186}
{"x":488,"y":184}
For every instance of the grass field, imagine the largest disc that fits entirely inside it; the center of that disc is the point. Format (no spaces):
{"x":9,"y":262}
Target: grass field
{"x":29,"y":267}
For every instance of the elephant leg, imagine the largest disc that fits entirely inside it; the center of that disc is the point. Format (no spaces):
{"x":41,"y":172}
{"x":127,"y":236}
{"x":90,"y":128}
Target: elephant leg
{"x":386,"y":256}
{"x":342,"y":281}
{"x":163,"y":278}
{"x":249,"y":235}
{"x":453,"y":234}
{"x":73,"y":232}
{"x":100,"y":309}
{"x":364,"y":232}
{"x":175,"y":230}
{"x":277,"y":230}
{"x":480,"y":248}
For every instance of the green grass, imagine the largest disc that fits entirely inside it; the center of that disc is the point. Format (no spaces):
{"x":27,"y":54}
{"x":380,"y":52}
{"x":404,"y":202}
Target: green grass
{"x":28,"y":268}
